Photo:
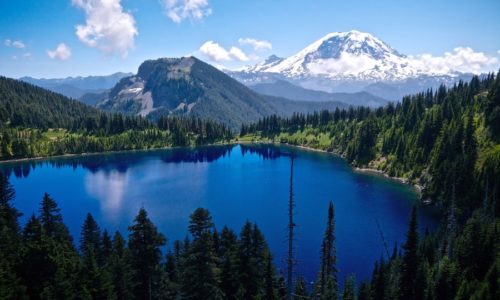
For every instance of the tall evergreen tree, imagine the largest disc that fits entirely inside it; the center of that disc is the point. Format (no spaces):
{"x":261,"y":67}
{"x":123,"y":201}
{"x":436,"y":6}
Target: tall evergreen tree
{"x":201,"y":275}
{"x":90,"y":237}
{"x":269,"y":276}
{"x":62,"y":282}
{"x":144,"y":244}
{"x":300,"y":292}
{"x":10,"y":284}
{"x":52,"y":221}
{"x":410,"y":259}
{"x":328,"y":269}
{"x":120,"y":268}
{"x":229,"y":263}
{"x":349,"y":292}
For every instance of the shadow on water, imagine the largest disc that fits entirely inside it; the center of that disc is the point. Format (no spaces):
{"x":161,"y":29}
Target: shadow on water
{"x":265,"y":151}
{"x":118,"y":161}
{"x":121,"y":161}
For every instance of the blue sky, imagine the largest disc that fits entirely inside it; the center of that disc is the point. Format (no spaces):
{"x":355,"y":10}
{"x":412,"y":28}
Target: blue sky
{"x":59,"y":38}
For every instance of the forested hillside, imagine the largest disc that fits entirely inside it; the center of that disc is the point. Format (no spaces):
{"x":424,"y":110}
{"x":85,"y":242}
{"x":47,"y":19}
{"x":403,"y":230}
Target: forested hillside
{"x":35,"y":122}
{"x":448,"y":142}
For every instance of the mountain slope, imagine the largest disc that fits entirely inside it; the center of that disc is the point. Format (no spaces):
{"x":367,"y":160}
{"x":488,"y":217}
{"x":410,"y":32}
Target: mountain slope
{"x":28,"y":105}
{"x":182,"y":86}
{"x":288,"y":90}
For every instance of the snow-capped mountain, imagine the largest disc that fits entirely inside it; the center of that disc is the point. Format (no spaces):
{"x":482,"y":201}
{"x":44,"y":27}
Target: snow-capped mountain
{"x":345,"y":55}
{"x":346,"y":62}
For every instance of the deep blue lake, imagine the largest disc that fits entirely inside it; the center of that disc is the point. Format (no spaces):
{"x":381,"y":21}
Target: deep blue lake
{"x":236,"y":183}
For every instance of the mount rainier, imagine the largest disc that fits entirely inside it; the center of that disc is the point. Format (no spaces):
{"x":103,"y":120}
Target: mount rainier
{"x":350,"y":61}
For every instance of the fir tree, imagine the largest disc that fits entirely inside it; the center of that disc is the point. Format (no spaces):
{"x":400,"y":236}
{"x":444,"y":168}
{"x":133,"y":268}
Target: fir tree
{"x":10,"y":284}
{"x":201,"y":275}
{"x":144,"y":244}
{"x":300,"y":292}
{"x":410,"y":259}
{"x":349,"y":292}
{"x":328,"y":269}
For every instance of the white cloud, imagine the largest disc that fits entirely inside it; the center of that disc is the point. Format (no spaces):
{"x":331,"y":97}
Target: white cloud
{"x":18,"y":44}
{"x":178,"y":10}
{"x":348,"y":64}
{"x":108,"y":27}
{"x":217,"y":53}
{"x":214,"y":51}
{"x":238,"y":54}
{"x":62,"y":52}
{"x":258,"y":45}
{"x":15,"y":44}
{"x":27,"y":55}
{"x":461,"y":59}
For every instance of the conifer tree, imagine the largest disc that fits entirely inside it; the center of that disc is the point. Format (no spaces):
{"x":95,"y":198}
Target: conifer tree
{"x":90,"y":237}
{"x":201,"y":275}
{"x":410,"y":259}
{"x":10,"y":284}
{"x":120,"y":268}
{"x":328,"y":269}
{"x":300,"y":292}
{"x":229,"y":262}
{"x":52,"y":221}
{"x":144,"y":244}
{"x":349,"y":292}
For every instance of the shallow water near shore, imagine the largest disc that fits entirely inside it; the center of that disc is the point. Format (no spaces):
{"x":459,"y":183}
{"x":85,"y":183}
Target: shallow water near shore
{"x":236,"y":183}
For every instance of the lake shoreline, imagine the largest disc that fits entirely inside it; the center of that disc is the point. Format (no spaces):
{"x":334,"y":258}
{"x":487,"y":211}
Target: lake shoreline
{"x":85,"y":154}
{"x":418,"y":188}
{"x":405,"y":181}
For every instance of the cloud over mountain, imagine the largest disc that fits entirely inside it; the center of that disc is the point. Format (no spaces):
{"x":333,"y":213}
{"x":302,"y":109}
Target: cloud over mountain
{"x":258,"y":45}
{"x":217,"y":53}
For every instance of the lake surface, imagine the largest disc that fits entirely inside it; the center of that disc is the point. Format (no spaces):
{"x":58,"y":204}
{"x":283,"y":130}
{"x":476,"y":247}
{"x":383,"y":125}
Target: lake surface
{"x":236,"y":183}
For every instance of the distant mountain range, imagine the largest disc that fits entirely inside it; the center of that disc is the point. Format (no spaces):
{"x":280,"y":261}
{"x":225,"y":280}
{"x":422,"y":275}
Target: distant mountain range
{"x":188,"y":86}
{"x":349,"y":62}
{"x":76,"y":87}
{"x":282,"y":88}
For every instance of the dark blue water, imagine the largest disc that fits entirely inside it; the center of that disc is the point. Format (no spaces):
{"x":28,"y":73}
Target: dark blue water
{"x":236,"y":183}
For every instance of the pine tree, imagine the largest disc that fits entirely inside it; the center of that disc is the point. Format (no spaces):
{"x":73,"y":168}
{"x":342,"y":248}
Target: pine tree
{"x":90,"y":236}
{"x":229,"y":262}
{"x":36,"y":266}
{"x":328,"y":271}
{"x":63,"y":259}
{"x":300,"y":292}
{"x":106,"y":249}
{"x":269,"y":276}
{"x":52,"y":221}
{"x":144,"y":244}
{"x":349,"y":292}
{"x":201,"y":275}
{"x":120,"y":268}
{"x":10,"y":284}
{"x":410,"y":259}
{"x":365,"y":292}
